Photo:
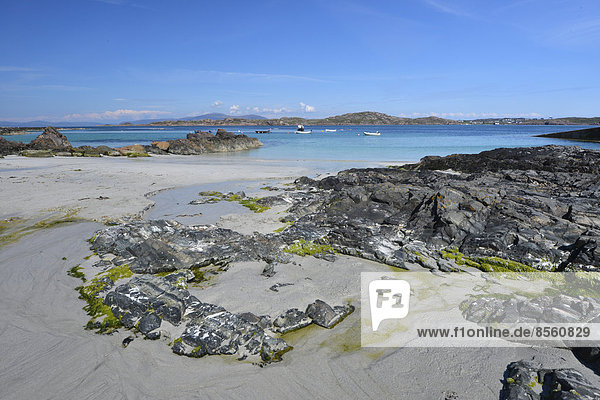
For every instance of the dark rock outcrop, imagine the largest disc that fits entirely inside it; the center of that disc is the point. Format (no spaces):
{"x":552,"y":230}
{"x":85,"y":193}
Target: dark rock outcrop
{"x":50,"y":139}
{"x":9,"y":147}
{"x":291,"y":320}
{"x":538,"y":206}
{"x":326,"y":316}
{"x":204,"y":142}
{"x":588,"y":356}
{"x":146,"y":300}
{"x":528,"y":381}
{"x":543,"y":309}
{"x":555,"y":159}
{"x":162,"y":246}
{"x":587,"y":135}
{"x":52,"y":142}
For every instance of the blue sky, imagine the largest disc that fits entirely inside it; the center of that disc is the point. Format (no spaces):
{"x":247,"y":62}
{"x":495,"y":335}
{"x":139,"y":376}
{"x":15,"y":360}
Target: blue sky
{"x":119,"y":60}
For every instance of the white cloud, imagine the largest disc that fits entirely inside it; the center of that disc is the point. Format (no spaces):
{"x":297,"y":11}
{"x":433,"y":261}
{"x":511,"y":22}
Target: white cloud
{"x":276,"y":110}
{"x":307,"y":108}
{"x":115,"y":115}
{"x":234,"y":109}
{"x":217,"y":103}
{"x":119,"y":99}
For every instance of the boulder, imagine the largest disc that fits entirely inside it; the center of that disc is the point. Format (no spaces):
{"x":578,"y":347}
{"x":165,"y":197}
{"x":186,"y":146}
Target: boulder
{"x":223,"y":134}
{"x":161,"y":145}
{"x":326,"y":316}
{"x":205,"y":142}
{"x":199,"y":135}
{"x":134,"y":148}
{"x":37,"y":153}
{"x":528,"y":381}
{"x":149,"y":322}
{"x":291,"y":320}
{"x":50,"y":139}
{"x":9,"y":147}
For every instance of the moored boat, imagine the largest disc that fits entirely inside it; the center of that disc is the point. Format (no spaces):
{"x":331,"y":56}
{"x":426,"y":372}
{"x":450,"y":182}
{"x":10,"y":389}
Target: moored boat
{"x":372,"y":133}
{"x":263,"y":131}
{"x":302,"y":130}
{"x":330,"y":130}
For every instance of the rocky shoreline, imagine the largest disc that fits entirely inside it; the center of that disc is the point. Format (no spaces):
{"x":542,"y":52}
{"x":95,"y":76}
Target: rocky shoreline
{"x":53,"y":143}
{"x":585,"y":135}
{"x":521,"y":210}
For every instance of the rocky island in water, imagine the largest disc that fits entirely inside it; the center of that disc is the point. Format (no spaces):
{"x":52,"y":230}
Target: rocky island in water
{"x":53,"y":143}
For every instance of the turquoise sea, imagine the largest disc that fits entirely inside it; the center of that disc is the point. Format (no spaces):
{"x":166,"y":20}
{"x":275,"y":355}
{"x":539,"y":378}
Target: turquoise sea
{"x":396,"y":143}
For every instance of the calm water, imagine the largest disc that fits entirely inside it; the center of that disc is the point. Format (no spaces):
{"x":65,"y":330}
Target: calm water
{"x":396,"y":143}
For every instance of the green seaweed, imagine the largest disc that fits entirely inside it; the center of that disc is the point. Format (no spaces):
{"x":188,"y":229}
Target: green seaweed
{"x":95,"y":307}
{"x":308,"y":248}
{"x":95,"y":253}
{"x":287,"y":225}
{"x":75,"y":272}
{"x":12,"y":229}
{"x":249,"y":202}
{"x":574,"y":284}
{"x":92,"y":239}
{"x":486,"y":264}
{"x":136,"y":154}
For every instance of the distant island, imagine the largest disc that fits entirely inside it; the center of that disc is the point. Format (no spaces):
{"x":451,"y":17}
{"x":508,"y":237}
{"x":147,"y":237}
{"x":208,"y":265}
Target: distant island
{"x":360,"y":118}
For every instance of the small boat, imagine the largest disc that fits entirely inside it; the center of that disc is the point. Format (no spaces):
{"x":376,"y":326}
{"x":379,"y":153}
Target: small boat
{"x":330,"y":130}
{"x":263,"y":131}
{"x":372,"y":133}
{"x":302,"y":130}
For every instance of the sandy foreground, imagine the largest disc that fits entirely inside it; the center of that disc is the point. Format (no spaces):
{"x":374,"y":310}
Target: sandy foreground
{"x":46,"y":353}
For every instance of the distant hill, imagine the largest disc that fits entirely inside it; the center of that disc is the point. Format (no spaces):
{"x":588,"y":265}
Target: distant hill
{"x":211,"y":116}
{"x":220,"y":116}
{"x":359,"y":118}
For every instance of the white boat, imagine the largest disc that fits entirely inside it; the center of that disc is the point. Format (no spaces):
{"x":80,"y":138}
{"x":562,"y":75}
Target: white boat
{"x":302,"y":130}
{"x":372,"y":133}
{"x":330,"y":130}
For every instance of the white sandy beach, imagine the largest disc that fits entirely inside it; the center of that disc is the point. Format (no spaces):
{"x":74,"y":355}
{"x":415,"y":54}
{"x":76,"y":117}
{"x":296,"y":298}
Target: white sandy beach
{"x":46,"y":353}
